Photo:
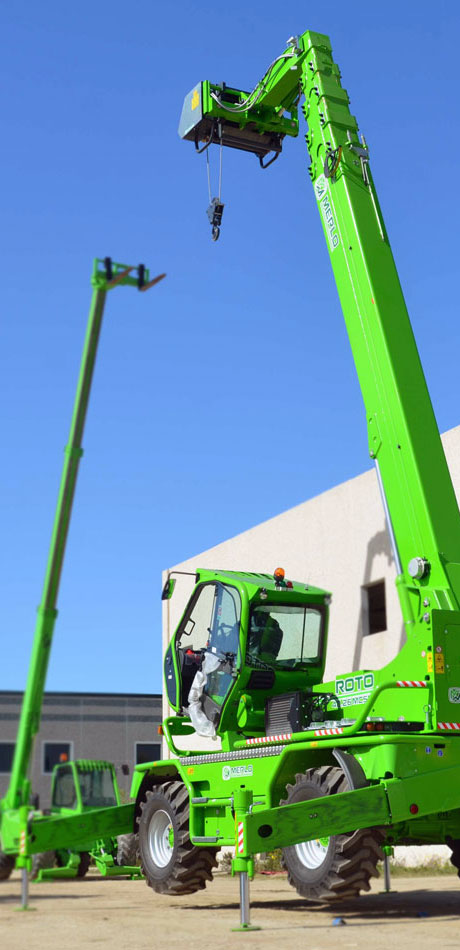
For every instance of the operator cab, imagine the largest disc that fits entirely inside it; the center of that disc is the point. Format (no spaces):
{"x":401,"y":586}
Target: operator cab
{"x":83,"y":784}
{"x":254,"y":632}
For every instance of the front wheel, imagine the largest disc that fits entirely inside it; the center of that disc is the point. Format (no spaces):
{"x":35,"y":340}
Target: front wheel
{"x":64,"y":859}
{"x":7,"y":862}
{"x":454,"y":845}
{"x":335,"y":867}
{"x":170,"y":862}
{"x":85,"y":861}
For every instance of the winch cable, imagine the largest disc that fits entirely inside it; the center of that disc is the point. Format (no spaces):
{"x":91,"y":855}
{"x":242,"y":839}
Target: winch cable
{"x":215,"y":208}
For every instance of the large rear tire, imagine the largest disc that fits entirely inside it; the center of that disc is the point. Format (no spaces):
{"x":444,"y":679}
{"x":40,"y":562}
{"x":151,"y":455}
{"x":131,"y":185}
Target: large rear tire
{"x":169,"y":860}
{"x":127,"y":850}
{"x":7,"y":862}
{"x":334,"y":868}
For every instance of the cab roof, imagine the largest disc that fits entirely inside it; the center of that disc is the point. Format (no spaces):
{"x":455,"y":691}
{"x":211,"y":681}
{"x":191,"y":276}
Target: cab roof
{"x":261,"y":581}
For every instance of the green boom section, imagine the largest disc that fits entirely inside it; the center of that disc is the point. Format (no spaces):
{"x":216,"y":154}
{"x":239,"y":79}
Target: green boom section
{"x":75,"y":829}
{"x":395,"y":800}
{"x":49,"y":833}
{"x":403,"y":434}
{"x":106,"y":275}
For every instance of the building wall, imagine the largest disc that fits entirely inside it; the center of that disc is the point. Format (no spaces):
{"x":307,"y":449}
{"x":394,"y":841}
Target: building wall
{"x":337,"y":541}
{"x":98,"y":726}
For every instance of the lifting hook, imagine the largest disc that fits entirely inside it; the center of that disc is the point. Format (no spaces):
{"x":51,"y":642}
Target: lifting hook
{"x":214,"y":213}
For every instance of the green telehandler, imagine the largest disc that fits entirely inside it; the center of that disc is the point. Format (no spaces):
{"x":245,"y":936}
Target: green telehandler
{"x":331,"y":772}
{"x":75,"y":787}
{"x":24,"y":830}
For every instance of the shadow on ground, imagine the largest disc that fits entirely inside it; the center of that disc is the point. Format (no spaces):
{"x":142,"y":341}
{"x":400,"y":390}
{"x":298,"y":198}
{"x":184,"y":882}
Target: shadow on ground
{"x":372,"y":907}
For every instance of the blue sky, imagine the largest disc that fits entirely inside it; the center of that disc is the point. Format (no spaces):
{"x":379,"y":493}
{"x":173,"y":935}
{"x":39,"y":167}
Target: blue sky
{"x":228,"y":393}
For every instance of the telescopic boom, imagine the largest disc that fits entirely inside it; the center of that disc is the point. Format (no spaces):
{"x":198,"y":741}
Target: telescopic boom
{"x":106,"y":275}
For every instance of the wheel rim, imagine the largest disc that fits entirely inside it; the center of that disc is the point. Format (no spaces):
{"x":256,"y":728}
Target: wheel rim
{"x":312,"y":853}
{"x":161,"y":838}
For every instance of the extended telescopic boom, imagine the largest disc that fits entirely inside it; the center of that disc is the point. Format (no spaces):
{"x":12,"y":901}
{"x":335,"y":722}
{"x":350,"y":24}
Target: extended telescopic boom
{"x":106,"y":275}
{"x":403,"y":435}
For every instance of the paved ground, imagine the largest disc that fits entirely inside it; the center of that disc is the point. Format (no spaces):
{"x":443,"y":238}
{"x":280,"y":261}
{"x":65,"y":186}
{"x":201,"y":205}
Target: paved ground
{"x":423,"y":912}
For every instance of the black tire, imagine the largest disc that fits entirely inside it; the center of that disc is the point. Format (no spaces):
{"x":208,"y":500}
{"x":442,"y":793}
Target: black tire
{"x":85,"y":861}
{"x":337,"y":867}
{"x":7,"y":862}
{"x":454,"y":844}
{"x":171,"y":866}
{"x":127,"y":850}
{"x":40,"y":861}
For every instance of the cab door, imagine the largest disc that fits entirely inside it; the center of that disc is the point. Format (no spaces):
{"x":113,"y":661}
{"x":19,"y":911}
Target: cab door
{"x":209,"y":629}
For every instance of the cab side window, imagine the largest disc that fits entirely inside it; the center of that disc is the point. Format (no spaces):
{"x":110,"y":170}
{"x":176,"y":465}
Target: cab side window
{"x":224,"y":633}
{"x":196,"y":630}
{"x":64,"y":795}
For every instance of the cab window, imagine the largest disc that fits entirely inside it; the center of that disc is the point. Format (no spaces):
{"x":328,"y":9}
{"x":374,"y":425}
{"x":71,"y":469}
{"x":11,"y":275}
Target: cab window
{"x":213,"y":623}
{"x":283,"y":636}
{"x":211,"y":627}
{"x":96,"y":787}
{"x":64,"y":794}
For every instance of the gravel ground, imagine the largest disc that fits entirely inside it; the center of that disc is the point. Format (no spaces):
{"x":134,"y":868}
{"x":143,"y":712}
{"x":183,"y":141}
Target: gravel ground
{"x":125,"y":915}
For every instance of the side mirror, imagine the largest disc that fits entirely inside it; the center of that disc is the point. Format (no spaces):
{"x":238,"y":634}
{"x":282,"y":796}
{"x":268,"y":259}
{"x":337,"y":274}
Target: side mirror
{"x":168,"y":589}
{"x":125,"y":769}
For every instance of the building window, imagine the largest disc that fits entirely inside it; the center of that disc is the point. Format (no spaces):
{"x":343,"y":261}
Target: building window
{"x":374,"y":608}
{"x":54,"y":753}
{"x":147,"y":752}
{"x":6,"y":757}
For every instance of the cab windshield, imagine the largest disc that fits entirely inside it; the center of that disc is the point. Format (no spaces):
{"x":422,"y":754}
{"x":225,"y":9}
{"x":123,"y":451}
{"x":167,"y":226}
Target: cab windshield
{"x":284,"y":636}
{"x":96,"y":787}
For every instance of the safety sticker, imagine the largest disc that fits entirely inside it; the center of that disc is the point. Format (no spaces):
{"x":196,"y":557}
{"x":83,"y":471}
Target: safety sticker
{"x":451,"y":726}
{"x":335,"y":731}
{"x":22,"y":843}
{"x":262,"y":740}
{"x":411,"y":684}
{"x":240,"y":844}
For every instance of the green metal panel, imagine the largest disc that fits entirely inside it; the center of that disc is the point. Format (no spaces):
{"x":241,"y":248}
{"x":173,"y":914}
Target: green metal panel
{"x":80,"y":830}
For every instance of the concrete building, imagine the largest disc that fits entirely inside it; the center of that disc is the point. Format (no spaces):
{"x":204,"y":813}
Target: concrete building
{"x":118,"y":727}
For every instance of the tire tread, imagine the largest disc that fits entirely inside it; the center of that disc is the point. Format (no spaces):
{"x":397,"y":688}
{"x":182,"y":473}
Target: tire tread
{"x":194,"y":865}
{"x":356,"y":854}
